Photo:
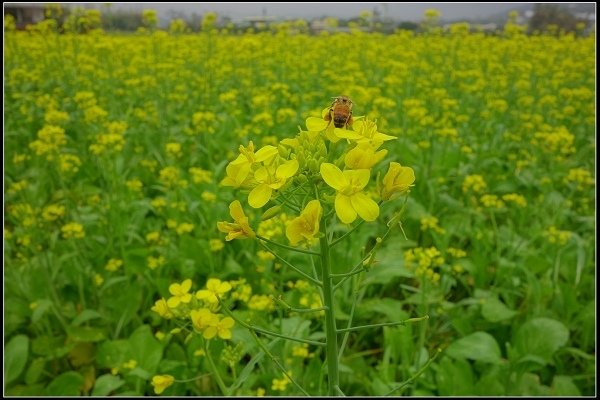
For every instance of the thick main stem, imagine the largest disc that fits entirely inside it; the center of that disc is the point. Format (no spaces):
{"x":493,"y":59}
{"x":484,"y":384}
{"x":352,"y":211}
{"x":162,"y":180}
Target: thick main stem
{"x":330,"y":328}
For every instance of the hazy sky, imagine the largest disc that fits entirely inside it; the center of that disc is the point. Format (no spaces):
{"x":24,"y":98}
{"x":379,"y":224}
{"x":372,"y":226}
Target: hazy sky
{"x":397,"y":11}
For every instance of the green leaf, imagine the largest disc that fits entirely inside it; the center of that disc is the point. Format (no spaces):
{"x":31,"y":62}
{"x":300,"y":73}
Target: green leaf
{"x":42,"y":306}
{"x":564,"y":386}
{"x":86,"y":333}
{"x":494,"y":310}
{"x":478,"y":346}
{"x":15,"y":357}
{"x":454,"y":378}
{"x":35,"y":371}
{"x":145,"y":349}
{"x":50,"y":346}
{"x":112,"y":354}
{"x":106,"y":384}
{"x":67,"y":384}
{"x":26,"y":390}
{"x":391,"y":308}
{"x":85,"y":316}
{"x":540,"y":337}
{"x":250,"y":366}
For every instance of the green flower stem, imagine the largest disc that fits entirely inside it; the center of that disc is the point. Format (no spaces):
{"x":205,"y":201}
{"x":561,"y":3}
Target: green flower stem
{"x":214,"y":371}
{"x":336,"y":241}
{"x":330,"y":329}
{"x":304,"y":274}
{"x":415,"y":376}
{"x":193,"y":379}
{"x":356,"y":298}
{"x":348,"y":274}
{"x":276,"y":362}
{"x":289,"y":203}
{"x":356,"y":328}
{"x":352,"y":272}
{"x":266,"y":332}
{"x":288,"y":247}
{"x":339,"y":391}
{"x":287,"y":307}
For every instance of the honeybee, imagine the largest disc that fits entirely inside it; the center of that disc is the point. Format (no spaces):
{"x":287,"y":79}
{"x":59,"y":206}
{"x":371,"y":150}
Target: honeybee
{"x":340,"y":111}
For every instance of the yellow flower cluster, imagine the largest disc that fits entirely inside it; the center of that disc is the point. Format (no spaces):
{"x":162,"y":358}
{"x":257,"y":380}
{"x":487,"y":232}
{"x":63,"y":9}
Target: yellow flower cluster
{"x":266,"y":172}
{"x":50,"y":139}
{"x":557,"y":141}
{"x":517,"y":199}
{"x":113,"y":265}
{"x":474,"y":183}
{"x":431,"y":223}
{"x":280,"y":385}
{"x":73,"y":230}
{"x":557,"y":236}
{"x":201,"y":307}
{"x":112,"y":140}
{"x":581,"y":177}
{"x":424,"y":261}
{"x":491,"y":201}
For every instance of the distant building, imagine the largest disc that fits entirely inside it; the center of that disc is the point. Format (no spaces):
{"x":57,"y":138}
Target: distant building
{"x":25,"y":13}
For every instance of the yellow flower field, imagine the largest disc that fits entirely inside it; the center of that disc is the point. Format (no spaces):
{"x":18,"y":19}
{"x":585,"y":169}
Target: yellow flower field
{"x":184,"y":216}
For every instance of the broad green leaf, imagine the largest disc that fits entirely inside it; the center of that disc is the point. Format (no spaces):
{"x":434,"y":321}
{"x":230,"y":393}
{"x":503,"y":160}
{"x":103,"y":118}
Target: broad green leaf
{"x":35,"y":371}
{"x":66,"y":384}
{"x":15,"y":357}
{"x":50,"y":346}
{"x":494,"y":310}
{"x":86,"y":333}
{"x":112,"y":354}
{"x":391,"y":308}
{"x":250,"y":366}
{"x":145,"y":349}
{"x":27,"y":390}
{"x":85,"y":316}
{"x":564,"y":386}
{"x":454,"y":377}
{"x":540,"y":337}
{"x":478,"y":346}
{"x":42,"y":307}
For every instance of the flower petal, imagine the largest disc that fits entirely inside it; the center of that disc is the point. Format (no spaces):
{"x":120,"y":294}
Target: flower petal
{"x":260,"y":195}
{"x":287,"y":169}
{"x":209,"y":332}
{"x":236,"y":211}
{"x":346,"y":134}
{"x":333,"y":176}
{"x":265,"y":153}
{"x":344,"y":209}
{"x":294,"y":231}
{"x":358,"y":177}
{"x":316,"y":124}
{"x":186,"y":285}
{"x":365,"y":206}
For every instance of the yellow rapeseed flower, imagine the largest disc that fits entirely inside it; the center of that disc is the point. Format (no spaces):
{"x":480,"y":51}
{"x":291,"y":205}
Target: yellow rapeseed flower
{"x":240,"y":227}
{"x":350,"y":200}
{"x":219,"y":327}
{"x":161,"y":382}
{"x":214,"y":289}
{"x":397,"y":181}
{"x":239,"y":169}
{"x":162,"y":308}
{"x":364,"y":156}
{"x":269,"y":179}
{"x":180,"y":293}
{"x":306,"y":225}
